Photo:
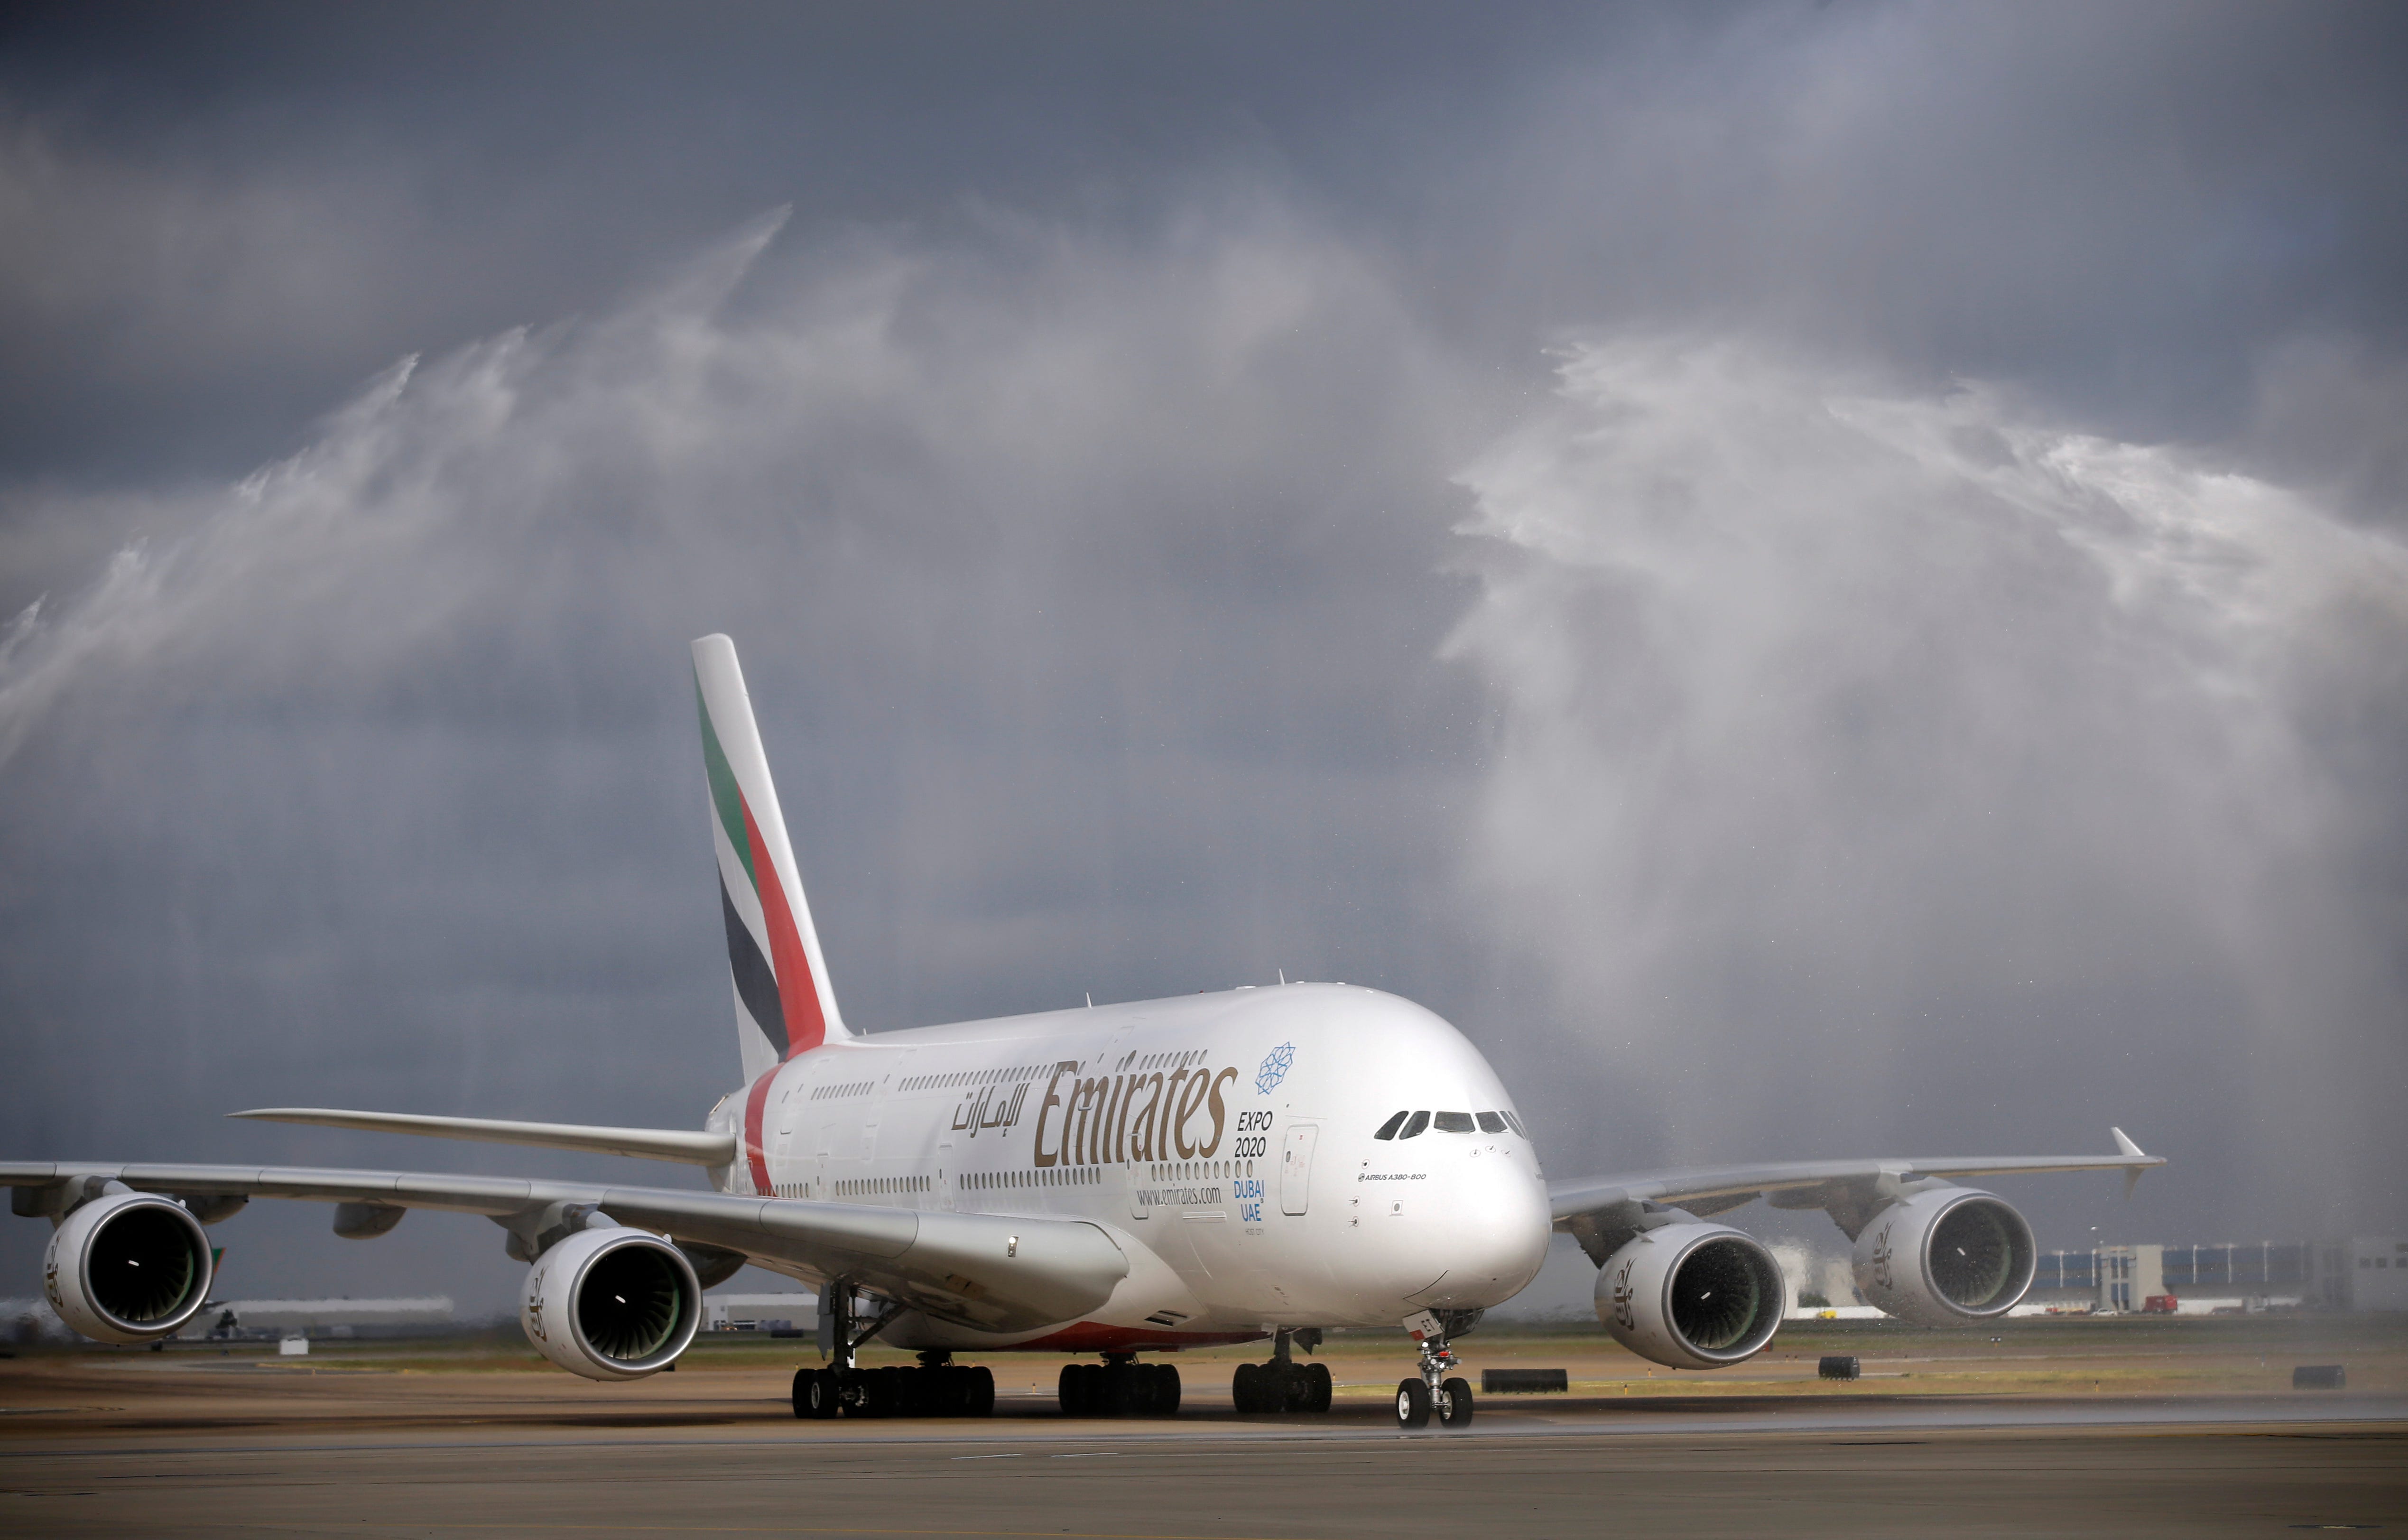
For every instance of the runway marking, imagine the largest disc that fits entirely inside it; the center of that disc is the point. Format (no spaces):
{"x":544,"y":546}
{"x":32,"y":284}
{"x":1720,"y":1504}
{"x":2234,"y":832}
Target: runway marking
{"x":2381,"y":1420}
{"x":685,"y":1527}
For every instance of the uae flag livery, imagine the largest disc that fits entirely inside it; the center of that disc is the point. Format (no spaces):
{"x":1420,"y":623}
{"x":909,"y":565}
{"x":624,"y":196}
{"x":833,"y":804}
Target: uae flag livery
{"x":782,"y":1005}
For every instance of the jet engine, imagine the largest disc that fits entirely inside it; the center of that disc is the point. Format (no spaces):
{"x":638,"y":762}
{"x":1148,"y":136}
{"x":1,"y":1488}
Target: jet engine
{"x":612,"y":1303}
{"x":1946,"y":1256}
{"x":1691,"y":1295}
{"x":128,"y":1267}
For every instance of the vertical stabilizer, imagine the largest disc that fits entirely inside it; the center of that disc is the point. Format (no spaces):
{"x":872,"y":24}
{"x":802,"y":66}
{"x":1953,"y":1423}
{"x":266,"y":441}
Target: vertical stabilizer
{"x":783,"y":1005}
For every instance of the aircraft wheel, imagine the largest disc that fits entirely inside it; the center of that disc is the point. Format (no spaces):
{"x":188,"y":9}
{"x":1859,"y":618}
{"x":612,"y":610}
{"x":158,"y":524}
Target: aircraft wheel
{"x":1246,"y":1389}
{"x":1413,"y":1403}
{"x":979,"y":1401}
{"x":914,"y":1392}
{"x":1454,"y":1403}
{"x":1164,"y":1379}
{"x":1071,"y":1389}
{"x":1319,"y":1387}
{"x":814,"y":1394}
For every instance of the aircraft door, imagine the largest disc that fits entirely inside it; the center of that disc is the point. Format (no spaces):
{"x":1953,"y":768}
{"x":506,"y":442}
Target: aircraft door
{"x":784,"y":1156}
{"x":945,"y":1175}
{"x":1296,"y":1167}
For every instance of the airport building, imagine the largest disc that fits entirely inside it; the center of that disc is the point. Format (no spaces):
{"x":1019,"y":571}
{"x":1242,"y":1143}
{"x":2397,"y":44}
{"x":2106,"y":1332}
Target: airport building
{"x":759,"y":1312}
{"x":2362,"y":1274}
{"x":228,"y":1320}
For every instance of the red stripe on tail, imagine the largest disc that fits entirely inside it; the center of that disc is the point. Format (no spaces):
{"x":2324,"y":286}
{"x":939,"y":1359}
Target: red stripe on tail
{"x":755,"y":1102}
{"x":798,"y":993}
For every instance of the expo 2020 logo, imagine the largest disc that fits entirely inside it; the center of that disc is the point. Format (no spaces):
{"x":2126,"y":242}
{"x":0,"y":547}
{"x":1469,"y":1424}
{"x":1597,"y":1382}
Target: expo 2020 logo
{"x":1275,"y":1068}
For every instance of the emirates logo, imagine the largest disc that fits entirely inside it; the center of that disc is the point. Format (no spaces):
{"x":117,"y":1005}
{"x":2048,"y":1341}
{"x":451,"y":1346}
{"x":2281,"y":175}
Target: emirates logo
{"x":1274,"y":1068}
{"x":1624,"y":1316}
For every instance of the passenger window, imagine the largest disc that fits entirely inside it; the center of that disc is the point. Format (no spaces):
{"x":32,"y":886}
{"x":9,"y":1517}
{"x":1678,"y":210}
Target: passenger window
{"x":1455,"y":1122}
{"x":1491,"y":1123}
{"x":1388,"y":1129}
{"x":1414,"y":1124}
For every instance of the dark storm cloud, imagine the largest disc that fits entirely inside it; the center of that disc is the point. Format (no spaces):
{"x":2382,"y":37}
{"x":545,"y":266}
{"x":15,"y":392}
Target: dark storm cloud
{"x":1078,"y":585}
{"x":1485,"y":508}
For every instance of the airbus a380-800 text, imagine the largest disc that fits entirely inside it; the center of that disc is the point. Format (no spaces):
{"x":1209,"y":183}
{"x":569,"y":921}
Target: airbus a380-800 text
{"x":1103,"y":1182}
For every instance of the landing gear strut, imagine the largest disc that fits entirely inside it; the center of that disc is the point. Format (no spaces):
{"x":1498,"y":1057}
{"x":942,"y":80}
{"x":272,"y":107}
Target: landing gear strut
{"x":1119,"y":1386}
{"x":1283,"y":1385}
{"x":1434,"y":1392}
{"x":938,"y":1388}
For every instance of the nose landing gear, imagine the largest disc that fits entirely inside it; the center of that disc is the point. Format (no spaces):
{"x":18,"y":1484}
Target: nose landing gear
{"x":1434,"y":1393}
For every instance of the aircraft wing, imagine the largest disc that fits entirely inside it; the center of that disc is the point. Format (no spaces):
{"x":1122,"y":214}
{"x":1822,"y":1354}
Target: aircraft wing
{"x":696,"y":1150}
{"x":1847,"y":1189}
{"x":992,"y":1272}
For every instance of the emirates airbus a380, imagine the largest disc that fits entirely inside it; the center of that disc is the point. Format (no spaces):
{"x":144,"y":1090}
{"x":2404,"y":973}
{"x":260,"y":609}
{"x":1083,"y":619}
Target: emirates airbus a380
{"x":1262,"y":1163}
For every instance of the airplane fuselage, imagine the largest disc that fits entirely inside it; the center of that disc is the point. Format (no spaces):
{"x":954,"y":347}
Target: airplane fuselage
{"x":1228,"y":1143}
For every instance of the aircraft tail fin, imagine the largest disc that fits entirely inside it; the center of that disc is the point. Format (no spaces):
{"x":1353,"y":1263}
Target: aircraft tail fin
{"x":783,"y":1005}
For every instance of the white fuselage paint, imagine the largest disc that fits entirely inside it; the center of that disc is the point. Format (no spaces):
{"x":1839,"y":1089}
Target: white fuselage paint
{"x":1226,"y":1141}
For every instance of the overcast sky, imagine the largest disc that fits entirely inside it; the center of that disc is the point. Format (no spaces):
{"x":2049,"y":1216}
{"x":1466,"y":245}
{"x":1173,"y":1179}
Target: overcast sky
{"x":1823,"y":580}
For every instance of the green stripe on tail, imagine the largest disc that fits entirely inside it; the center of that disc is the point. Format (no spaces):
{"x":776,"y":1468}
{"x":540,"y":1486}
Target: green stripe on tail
{"x":725,"y":799}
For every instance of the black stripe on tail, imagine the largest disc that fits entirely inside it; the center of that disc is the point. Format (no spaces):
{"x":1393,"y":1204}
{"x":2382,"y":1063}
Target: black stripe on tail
{"x":756,"y":984}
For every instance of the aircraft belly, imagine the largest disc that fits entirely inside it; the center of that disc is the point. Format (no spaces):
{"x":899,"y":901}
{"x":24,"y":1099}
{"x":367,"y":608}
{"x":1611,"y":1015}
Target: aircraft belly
{"x":1153,"y":1306}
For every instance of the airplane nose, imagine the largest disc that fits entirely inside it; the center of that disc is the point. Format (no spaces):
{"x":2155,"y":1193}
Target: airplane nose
{"x":1496,"y":1236}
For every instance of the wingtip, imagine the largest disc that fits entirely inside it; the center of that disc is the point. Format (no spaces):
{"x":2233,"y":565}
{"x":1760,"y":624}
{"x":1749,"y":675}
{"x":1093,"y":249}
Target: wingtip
{"x":2124,"y":1142}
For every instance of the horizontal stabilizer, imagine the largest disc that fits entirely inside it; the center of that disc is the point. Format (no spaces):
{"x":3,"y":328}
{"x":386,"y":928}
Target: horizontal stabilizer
{"x":693,"y":1149}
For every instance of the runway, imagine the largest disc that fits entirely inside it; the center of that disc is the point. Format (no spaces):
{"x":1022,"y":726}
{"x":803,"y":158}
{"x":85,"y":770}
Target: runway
{"x":130,"y":1447}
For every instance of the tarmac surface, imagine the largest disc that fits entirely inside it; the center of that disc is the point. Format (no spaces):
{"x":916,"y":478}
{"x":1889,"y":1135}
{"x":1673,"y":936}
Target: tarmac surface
{"x":177,"y":1444}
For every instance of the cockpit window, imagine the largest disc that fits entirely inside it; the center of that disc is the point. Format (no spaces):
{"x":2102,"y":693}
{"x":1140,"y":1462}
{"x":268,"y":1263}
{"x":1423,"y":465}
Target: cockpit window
{"x":1455,"y":1122}
{"x":1388,"y":1129}
{"x":1492,"y":1122}
{"x":1414,"y":1124}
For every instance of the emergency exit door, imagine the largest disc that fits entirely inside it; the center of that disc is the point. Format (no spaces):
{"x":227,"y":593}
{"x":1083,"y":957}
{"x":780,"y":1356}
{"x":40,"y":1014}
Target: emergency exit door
{"x":1296,"y":1167}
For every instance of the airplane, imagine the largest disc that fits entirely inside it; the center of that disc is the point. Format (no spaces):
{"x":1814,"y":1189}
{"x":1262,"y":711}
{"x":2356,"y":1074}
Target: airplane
{"x":1260,"y":1163}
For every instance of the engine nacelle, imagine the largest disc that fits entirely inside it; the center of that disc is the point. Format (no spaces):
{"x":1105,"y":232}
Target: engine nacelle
{"x":611,"y":1304}
{"x":1691,"y":1296}
{"x":127,"y":1267}
{"x":1946,"y":1256}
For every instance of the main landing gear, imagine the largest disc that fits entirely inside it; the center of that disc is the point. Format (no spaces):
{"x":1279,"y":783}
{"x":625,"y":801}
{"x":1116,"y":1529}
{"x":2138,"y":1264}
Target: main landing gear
{"x":938,"y":1388}
{"x":933,"y":1389}
{"x":1119,"y":1386}
{"x":1283,"y":1385}
{"x":1433,"y":1392}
